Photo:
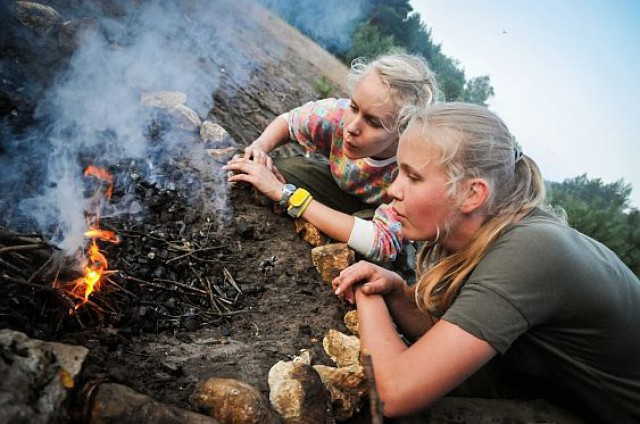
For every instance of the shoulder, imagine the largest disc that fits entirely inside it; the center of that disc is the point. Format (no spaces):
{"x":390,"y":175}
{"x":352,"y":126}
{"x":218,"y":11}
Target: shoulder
{"x":324,"y":105}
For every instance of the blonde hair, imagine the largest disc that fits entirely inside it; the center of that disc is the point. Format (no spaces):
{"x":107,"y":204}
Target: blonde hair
{"x":409,"y":78}
{"x":472,"y":142}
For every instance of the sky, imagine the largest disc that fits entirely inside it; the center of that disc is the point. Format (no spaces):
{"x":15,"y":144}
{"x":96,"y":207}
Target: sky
{"x":566,"y":76}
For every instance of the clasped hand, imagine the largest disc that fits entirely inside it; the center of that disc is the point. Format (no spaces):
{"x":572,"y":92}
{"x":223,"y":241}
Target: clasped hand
{"x":368,"y":278}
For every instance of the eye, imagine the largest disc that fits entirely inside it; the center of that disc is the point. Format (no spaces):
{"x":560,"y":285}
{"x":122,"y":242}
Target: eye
{"x":414,"y":178}
{"x":375,"y":123}
{"x":353,"y":107}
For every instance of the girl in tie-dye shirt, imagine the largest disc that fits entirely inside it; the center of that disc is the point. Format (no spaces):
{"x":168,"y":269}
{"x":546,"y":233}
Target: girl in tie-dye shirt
{"x":353,"y":144}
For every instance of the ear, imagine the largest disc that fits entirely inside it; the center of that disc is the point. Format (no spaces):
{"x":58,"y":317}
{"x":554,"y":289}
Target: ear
{"x":476,"y":194}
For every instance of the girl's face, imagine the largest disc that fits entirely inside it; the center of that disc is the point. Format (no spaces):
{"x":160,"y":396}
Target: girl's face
{"x":420,"y":191}
{"x":370,"y":111}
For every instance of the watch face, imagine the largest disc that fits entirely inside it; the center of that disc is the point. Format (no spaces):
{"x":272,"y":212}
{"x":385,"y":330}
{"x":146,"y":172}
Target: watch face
{"x":288,"y":188}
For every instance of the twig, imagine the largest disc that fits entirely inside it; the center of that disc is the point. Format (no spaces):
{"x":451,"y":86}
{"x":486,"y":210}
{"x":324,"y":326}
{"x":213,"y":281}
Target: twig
{"x":160,"y":286}
{"x":194,"y":251}
{"x":228,"y":277}
{"x":374,"y":398}
{"x":23,"y":247}
{"x":214,"y":305}
{"x":133,"y":295}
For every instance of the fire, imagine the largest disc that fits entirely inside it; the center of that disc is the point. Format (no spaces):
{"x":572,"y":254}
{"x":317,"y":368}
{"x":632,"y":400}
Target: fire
{"x":94,"y":262}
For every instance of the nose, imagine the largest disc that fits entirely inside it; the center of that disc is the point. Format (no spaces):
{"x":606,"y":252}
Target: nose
{"x":394,"y":190}
{"x":353,"y":127}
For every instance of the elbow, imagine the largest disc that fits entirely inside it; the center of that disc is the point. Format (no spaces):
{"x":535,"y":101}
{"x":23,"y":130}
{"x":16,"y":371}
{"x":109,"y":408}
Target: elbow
{"x":391,"y":402}
{"x":394,"y":401}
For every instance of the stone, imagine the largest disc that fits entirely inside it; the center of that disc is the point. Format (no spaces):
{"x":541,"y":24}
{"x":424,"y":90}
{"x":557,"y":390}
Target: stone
{"x":119,"y":404}
{"x":298,"y":394}
{"x":210,"y":132}
{"x":185,"y":118}
{"x":163,"y":99}
{"x":348,"y":388}
{"x":332,"y":258}
{"x":351,"y":322}
{"x":310,"y":233}
{"x":344,"y":350}
{"x":37,"y":378}
{"x":41,"y":19}
{"x":232,"y":401}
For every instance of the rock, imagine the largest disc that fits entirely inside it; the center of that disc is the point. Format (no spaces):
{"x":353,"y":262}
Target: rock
{"x":232,"y":402}
{"x":118,"y":404}
{"x":37,"y":378}
{"x":185,"y":118}
{"x":70,"y":33}
{"x":210,"y":132}
{"x":298,"y":394}
{"x":39,"y":18}
{"x":332,"y":258}
{"x":222,"y":155}
{"x":351,"y":322}
{"x":310,"y":233}
{"x":163,"y":99}
{"x":344,"y":350}
{"x":347,"y":386}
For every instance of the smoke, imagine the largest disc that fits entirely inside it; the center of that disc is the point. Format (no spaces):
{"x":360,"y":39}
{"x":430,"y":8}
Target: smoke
{"x":92,"y":113}
{"x":329,"y":22}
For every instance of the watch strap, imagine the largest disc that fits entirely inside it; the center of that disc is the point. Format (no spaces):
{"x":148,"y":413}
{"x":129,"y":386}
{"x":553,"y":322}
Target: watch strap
{"x":299,"y":202}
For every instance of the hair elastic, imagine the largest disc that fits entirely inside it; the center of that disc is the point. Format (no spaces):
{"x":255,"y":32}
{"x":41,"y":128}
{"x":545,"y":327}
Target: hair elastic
{"x":517,"y":154}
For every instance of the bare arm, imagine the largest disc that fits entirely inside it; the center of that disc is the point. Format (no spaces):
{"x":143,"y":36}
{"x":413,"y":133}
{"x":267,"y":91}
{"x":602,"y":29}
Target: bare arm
{"x":335,"y":224}
{"x":413,"y":378}
{"x":276,"y":134}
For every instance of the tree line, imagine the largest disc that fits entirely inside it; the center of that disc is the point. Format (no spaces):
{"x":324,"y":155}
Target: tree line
{"x":602,"y":211}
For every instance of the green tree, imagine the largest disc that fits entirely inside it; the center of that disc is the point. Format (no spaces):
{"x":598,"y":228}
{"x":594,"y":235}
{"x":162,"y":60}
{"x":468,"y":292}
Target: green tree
{"x":368,"y":42}
{"x":602,"y":212}
{"x":478,"y":90}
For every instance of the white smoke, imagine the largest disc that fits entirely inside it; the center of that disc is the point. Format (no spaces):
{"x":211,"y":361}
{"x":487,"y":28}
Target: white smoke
{"x":93,"y":110}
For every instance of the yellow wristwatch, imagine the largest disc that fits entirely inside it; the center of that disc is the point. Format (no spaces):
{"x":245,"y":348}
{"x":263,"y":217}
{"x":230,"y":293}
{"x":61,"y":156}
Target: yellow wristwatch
{"x":298,"y":202}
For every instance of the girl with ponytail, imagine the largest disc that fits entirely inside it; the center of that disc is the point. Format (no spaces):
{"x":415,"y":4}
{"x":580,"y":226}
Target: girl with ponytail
{"x":501,"y":278}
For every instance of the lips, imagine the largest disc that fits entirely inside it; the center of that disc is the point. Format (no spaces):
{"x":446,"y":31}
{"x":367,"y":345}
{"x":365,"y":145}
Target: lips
{"x":398,"y":214}
{"x":350,"y":146}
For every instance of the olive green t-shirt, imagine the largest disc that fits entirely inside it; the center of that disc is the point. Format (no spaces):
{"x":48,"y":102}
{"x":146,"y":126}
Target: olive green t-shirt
{"x":561,"y":307}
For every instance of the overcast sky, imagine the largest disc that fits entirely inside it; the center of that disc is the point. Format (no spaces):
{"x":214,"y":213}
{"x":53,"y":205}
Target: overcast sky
{"x":566,"y":76}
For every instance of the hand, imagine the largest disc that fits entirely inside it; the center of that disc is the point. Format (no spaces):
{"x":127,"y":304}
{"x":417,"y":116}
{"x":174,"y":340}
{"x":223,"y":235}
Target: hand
{"x":264,"y":180}
{"x":258,"y":155}
{"x":367,"y":277}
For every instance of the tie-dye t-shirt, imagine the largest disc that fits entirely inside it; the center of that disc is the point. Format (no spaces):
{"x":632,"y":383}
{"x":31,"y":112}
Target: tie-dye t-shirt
{"x":318,"y":126}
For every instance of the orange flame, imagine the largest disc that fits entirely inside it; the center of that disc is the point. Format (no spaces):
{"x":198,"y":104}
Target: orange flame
{"x":95,"y":263}
{"x":102,"y":174}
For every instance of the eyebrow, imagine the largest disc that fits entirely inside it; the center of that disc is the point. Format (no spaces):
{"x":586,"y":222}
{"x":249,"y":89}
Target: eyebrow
{"x":408,"y":168}
{"x":367,"y":115}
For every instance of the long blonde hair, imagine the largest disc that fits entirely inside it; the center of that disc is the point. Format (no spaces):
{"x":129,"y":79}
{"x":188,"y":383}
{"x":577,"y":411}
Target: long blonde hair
{"x":409,"y":78}
{"x":473,"y":142}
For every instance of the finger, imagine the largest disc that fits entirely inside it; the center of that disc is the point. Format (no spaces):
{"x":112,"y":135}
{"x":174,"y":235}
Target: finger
{"x":278,"y":175}
{"x":268,"y":162}
{"x":241,"y":167}
{"x":248,"y":152}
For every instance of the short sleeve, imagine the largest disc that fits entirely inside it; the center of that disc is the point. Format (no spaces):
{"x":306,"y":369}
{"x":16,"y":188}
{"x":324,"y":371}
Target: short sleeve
{"x":514,"y":288}
{"x":316,"y":124}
